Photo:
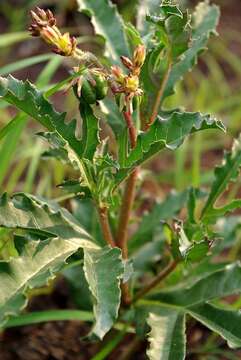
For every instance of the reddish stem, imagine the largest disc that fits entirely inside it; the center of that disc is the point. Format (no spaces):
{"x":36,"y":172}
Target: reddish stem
{"x":156,"y":281}
{"x":127,"y":202}
{"x":105,"y":226}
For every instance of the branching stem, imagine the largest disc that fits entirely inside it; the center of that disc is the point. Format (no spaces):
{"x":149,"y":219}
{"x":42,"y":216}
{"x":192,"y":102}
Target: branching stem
{"x":156,"y":281}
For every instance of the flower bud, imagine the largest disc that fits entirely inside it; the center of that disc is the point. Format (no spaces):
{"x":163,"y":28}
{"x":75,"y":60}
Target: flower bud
{"x":118,"y":74}
{"x":126,"y":62}
{"x":139,"y":56}
{"x":44,"y":25}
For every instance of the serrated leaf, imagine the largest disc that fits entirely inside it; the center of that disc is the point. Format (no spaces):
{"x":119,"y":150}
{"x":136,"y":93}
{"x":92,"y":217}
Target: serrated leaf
{"x":32,"y":214}
{"x":166,"y":133}
{"x":145,"y":7}
{"x":167,"y":335}
{"x":108,"y":23}
{"x":224,"y":174}
{"x":193,"y":298}
{"x":205,"y":23}
{"x":219,"y":284}
{"x":172,"y":30}
{"x":197,"y":251}
{"x":103,"y":271}
{"x":58,"y":149}
{"x":34,"y":268}
{"x":223,"y":321}
{"x":27,"y":98}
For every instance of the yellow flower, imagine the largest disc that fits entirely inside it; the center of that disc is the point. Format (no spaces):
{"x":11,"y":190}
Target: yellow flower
{"x":131,"y":83}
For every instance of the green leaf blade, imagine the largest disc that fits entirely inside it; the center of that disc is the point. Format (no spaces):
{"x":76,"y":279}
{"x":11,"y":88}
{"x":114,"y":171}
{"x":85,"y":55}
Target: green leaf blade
{"x":227,"y":172}
{"x":33,"y":268}
{"x":108,"y":23}
{"x":36,"y":215}
{"x":168,"y":133}
{"x":221,"y":283}
{"x":27,"y":98}
{"x":167,"y":336}
{"x":224,"y":322}
{"x":90,"y":131}
{"x":103,"y":270}
{"x":206,"y":19}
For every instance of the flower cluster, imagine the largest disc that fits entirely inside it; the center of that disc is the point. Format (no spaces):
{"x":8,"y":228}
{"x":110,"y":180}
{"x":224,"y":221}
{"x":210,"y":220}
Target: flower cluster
{"x":44,"y":26}
{"x":129,"y":84}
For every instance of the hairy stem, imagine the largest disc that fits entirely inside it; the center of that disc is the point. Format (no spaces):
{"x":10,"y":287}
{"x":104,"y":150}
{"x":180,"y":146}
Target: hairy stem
{"x":161,"y":276}
{"x":125,"y":213}
{"x":105,"y":226}
{"x":127,"y":203}
{"x":159,"y":96}
{"x":131,"y":127}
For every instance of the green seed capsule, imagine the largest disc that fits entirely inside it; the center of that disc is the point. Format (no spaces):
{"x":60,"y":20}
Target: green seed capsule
{"x":101,"y":87}
{"x":88,"y":92}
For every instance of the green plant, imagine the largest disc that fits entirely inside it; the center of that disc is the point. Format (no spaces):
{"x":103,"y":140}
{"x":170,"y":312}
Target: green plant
{"x":155,"y":277}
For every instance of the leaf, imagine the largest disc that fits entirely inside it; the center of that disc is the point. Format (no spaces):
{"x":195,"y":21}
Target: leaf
{"x":58,"y":146}
{"x":216,"y":285}
{"x":133,"y":36}
{"x":103,"y":271}
{"x":8,"y":148}
{"x":224,"y":174}
{"x":11,"y":126}
{"x":193,"y":298}
{"x":205,"y":21}
{"x":27,"y":98}
{"x":11,"y":38}
{"x":34,"y":215}
{"x":145,"y":7}
{"x":224,"y":322}
{"x":22,"y":64}
{"x":172,"y":30}
{"x":34,"y":268}
{"x":168,"y":133}
{"x":160,"y":212}
{"x":197,"y":251}
{"x":108,"y":23}
{"x":167,"y":335}
{"x":90,"y":131}
{"x":38,"y":317}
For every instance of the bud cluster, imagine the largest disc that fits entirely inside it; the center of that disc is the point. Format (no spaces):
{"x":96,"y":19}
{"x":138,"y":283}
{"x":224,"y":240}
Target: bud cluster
{"x":129,"y":84}
{"x":44,"y":26}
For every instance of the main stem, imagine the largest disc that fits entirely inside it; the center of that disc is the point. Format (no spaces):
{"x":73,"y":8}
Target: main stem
{"x":159,"y":96}
{"x":127,"y":203}
{"x":105,"y":226}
